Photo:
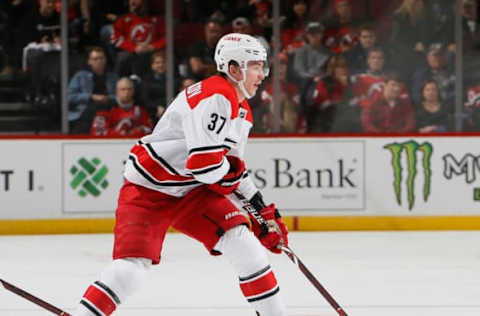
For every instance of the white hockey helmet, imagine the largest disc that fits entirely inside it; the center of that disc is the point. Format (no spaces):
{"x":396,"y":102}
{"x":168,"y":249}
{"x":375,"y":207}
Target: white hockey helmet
{"x":240,"y":48}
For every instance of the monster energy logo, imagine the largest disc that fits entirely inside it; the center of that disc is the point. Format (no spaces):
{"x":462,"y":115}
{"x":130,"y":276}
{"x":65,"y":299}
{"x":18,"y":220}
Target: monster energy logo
{"x":88,"y":177}
{"x":411,"y":148}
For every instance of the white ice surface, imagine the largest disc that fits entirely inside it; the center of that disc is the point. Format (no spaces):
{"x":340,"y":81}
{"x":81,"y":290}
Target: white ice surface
{"x":368,"y":273}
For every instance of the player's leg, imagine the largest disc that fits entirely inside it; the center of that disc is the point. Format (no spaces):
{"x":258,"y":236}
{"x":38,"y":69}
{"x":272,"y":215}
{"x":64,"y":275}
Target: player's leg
{"x":213,"y":220}
{"x":139,"y":232}
{"x":117,"y":282}
{"x":256,"y":277}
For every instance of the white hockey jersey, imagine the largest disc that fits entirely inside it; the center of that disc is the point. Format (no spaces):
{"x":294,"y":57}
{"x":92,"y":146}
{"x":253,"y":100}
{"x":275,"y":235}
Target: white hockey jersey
{"x":188,"y":145}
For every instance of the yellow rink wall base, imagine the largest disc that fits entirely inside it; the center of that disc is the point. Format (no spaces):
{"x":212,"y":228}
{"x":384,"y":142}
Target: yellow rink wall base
{"x":294,"y":223}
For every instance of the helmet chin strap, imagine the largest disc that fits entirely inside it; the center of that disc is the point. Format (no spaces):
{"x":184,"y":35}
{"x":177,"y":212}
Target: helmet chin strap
{"x":241,"y":83}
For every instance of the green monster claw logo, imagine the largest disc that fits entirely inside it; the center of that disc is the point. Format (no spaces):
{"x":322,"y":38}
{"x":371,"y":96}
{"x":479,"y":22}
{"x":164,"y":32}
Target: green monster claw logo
{"x":88,"y":177}
{"x":411,"y":148}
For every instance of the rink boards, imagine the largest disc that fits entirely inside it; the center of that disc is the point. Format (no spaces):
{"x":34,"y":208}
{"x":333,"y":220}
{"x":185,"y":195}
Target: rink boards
{"x":64,"y":185}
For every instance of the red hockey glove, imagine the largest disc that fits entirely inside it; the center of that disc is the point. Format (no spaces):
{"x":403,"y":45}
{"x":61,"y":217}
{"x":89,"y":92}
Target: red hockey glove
{"x":232,"y":179}
{"x":273,"y":232}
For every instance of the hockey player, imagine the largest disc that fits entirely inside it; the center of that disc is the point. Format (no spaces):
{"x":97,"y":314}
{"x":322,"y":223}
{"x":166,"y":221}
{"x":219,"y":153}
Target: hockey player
{"x":180,"y":176}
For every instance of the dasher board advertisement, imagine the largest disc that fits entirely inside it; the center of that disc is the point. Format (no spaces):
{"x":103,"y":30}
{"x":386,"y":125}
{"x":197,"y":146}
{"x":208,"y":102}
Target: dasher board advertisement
{"x":400,"y":176}
{"x":310,"y":175}
{"x":92,"y":175}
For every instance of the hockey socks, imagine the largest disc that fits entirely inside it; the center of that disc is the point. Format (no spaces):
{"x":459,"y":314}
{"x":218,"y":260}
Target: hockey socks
{"x":118,"y":281}
{"x":99,"y":299}
{"x":261,"y":290}
{"x":250,"y":261}
{"x":260,"y":285}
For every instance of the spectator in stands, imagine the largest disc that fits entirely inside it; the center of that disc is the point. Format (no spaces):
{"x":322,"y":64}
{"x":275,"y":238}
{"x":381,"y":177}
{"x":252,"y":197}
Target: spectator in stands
{"x":291,"y":117}
{"x":310,"y":61}
{"x":440,"y":15}
{"x":471,"y":43}
{"x":262,"y":18}
{"x":364,"y":84}
{"x":331,"y":110}
{"x":438,"y":70}
{"x":432,"y":115}
{"x":189,"y":30}
{"x":296,"y":20}
{"x":186,"y":82}
{"x":29,"y":23}
{"x":200,"y":61}
{"x":390,"y":110}
{"x":409,"y":37}
{"x":341,"y":33}
{"x":137,"y":35}
{"x":472,"y":108}
{"x":89,"y":91}
{"x":104,"y":14}
{"x":153,"y":86}
{"x":471,"y":26}
{"x":243,"y":26}
{"x":124,"y":119}
{"x":357,"y":56}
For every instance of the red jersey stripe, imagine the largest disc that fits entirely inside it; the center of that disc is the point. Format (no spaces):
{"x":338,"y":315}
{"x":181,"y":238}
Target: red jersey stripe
{"x":204,"y":160}
{"x":154,"y":168}
{"x":208,"y":87}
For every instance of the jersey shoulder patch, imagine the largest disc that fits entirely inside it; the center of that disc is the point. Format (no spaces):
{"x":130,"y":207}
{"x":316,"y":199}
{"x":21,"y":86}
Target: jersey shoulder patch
{"x":245,"y":112}
{"x":211,"y":86}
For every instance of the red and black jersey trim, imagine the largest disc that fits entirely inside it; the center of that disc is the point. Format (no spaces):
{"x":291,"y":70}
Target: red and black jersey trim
{"x":154,"y":181}
{"x":158,"y":159}
{"x":231,"y":181}
{"x":229,"y":140}
{"x":207,"y":170}
{"x":202,"y":160}
{"x":208,"y":148}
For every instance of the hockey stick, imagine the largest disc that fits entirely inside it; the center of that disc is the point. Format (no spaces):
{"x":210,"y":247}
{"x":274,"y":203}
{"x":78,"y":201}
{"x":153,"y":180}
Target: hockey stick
{"x":49,"y":307}
{"x":289,"y":252}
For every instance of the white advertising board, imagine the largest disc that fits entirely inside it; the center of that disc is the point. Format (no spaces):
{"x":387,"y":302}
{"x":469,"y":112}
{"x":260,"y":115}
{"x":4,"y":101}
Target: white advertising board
{"x":63,"y":178}
{"x":430,"y":175}
{"x":92,"y":175}
{"x":30,"y":179}
{"x":309,"y":175}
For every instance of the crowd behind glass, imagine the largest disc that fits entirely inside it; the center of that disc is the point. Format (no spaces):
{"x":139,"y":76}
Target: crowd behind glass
{"x":345,"y":66}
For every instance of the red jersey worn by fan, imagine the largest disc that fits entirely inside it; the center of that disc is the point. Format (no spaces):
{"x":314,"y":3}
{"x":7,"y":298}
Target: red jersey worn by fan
{"x":183,"y":175}
{"x":134,"y":122}
{"x":381,"y":116}
{"x":131,"y":30}
{"x":340,"y":39}
{"x":364,"y":85}
{"x":474,"y":95}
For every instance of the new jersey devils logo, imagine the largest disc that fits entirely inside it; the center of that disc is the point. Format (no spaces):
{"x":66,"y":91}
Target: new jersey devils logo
{"x":142,"y":33}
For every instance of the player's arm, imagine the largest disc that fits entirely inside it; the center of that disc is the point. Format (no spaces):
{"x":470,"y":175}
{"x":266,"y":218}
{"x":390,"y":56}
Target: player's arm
{"x":270,"y":228}
{"x":206,"y":129}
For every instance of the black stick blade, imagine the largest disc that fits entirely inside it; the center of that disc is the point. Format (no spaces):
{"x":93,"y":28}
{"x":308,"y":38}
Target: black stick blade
{"x":29,"y":297}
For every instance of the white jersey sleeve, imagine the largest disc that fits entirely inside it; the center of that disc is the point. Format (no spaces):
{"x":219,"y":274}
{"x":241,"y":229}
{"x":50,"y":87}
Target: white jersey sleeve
{"x":206,"y":129}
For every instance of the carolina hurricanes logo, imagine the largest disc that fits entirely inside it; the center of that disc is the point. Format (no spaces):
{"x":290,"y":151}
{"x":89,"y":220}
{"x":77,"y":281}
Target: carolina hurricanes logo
{"x":142,"y":33}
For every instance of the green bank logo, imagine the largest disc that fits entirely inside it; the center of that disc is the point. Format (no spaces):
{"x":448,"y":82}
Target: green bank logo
{"x":410,"y":148}
{"x":88,"y":177}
